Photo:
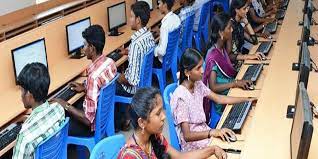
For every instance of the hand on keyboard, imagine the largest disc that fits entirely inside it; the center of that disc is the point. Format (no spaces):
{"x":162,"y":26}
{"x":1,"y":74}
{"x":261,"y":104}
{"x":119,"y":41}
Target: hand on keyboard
{"x":78,"y":87}
{"x":223,"y":133}
{"x":257,"y":56}
{"x":265,"y":34}
{"x":244,"y":84}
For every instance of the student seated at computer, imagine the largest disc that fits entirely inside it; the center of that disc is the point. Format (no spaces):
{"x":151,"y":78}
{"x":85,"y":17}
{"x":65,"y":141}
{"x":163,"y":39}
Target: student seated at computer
{"x":219,"y":74}
{"x":141,"y":42}
{"x":45,"y":119}
{"x":187,"y":105}
{"x":147,"y":141}
{"x":99,"y":73}
{"x":258,"y":18}
{"x":197,"y":6}
{"x":185,"y":12}
{"x":169,"y":23}
{"x":242,"y":31}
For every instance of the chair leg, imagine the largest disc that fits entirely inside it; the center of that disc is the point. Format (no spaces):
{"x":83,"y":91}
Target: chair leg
{"x":174,"y":70}
{"x":160,"y":81}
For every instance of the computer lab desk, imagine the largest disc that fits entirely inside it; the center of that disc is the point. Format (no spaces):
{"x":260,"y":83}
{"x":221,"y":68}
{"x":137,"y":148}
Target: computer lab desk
{"x":266,"y":132}
{"x":66,"y":71}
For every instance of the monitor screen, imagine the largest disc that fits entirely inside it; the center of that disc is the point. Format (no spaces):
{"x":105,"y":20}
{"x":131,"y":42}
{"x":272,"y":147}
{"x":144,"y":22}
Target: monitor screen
{"x":116,"y":15}
{"x":304,"y":67}
{"x":75,"y":41}
{"x":29,"y":53}
{"x":149,"y":2}
{"x":301,"y":131}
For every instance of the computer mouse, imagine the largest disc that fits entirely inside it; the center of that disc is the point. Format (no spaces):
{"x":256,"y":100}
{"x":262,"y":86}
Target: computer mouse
{"x":232,"y":138}
{"x":264,"y":58}
{"x":251,"y":87}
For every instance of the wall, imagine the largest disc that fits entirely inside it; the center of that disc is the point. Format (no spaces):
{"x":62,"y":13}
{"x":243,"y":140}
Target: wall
{"x":55,"y":39}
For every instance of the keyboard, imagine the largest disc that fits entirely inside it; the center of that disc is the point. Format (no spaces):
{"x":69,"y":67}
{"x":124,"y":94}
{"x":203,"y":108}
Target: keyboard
{"x":280,"y":14}
{"x":265,"y":47}
{"x":65,"y":93}
{"x":9,"y":134}
{"x":253,"y":72}
{"x":237,"y":116}
{"x":271,"y":27}
{"x":115,"y":55}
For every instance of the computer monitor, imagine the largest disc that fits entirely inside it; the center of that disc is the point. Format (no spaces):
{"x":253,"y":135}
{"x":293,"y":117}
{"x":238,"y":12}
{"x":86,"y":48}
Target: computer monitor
{"x":302,"y":129}
{"x":305,"y":7}
{"x":116,"y":18}
{"x":75,"y":40}
{"x":304,"y":65}
{"x":29,"y":53}
{"x":149,"y":2}
{"x":306,"y":30}
{"x":310,"y":10}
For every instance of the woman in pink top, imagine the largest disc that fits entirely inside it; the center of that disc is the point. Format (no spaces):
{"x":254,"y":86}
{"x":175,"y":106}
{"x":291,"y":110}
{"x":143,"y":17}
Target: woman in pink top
{"x":187,"y":105}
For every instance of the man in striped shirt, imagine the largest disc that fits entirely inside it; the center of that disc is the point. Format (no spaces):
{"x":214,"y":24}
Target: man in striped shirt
{"x":141,"y":42}
{"x":45,"y":119}
{"x":100,"y":72}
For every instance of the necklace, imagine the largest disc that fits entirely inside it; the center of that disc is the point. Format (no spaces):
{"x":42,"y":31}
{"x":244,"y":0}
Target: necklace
{"x":144,"y":148}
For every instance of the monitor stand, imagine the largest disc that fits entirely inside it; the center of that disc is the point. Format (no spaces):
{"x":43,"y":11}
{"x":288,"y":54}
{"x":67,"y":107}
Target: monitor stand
{"x":114,"y":32}
{"x":77,"y":54}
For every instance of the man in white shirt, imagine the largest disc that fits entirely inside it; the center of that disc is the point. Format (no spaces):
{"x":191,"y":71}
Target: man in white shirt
{"x":170,"y":22}
{"x":197,"y":5}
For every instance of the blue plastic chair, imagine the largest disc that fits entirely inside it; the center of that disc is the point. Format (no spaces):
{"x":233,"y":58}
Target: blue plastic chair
{"x":174,"y":141}
{"x":108,"y":148}
{"x":104,"y":120}
{"x":225,"y":3}
{"x":145,"y":76}
{"x":214,"y":116}
{"x":55,"y":145}
{"x":169,"y":60}
{"x":187,"y":35}
{"x":203,"y":26}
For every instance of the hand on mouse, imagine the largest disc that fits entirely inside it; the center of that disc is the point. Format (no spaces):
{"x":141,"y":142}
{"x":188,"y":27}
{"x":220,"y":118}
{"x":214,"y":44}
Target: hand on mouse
{"x":78,"y":87}
{"x":265,"y":34}
{"x":219,"y":152}
{"x":244,"y":84}
{"x":223,"y":133}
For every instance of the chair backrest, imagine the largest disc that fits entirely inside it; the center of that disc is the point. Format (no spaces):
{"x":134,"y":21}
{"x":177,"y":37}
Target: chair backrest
{"x":171,"y":51}
{"x":204,"y":16}
{"x":146,"y":69}
{"x":174,"y":141}
{"x":54,"y":146}
{"x":108,"y":148}
{"x":187,"y":33}
{"x":104,"y":121}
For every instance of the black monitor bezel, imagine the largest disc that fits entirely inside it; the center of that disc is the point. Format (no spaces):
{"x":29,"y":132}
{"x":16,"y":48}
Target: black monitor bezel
{"x":304,"y":66}
{"x":67,"y":38}
{"x":120,"y":25}
{"x":23,"y":46}
{"x":307,"y":131}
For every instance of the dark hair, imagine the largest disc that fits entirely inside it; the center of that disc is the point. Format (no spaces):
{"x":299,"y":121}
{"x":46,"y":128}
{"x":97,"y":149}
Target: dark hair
{"x":236,"y":4}
{"x":190,"y":2}
{"x":35,"y":79}
{"x":95,"y":35}
{"x":189,"y":59}
{"x":169,"y":3}
{"x":141,"y":9}
{"x":142,"y":104}
{"x":218,"y":23}
{"x":217,"y":7}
